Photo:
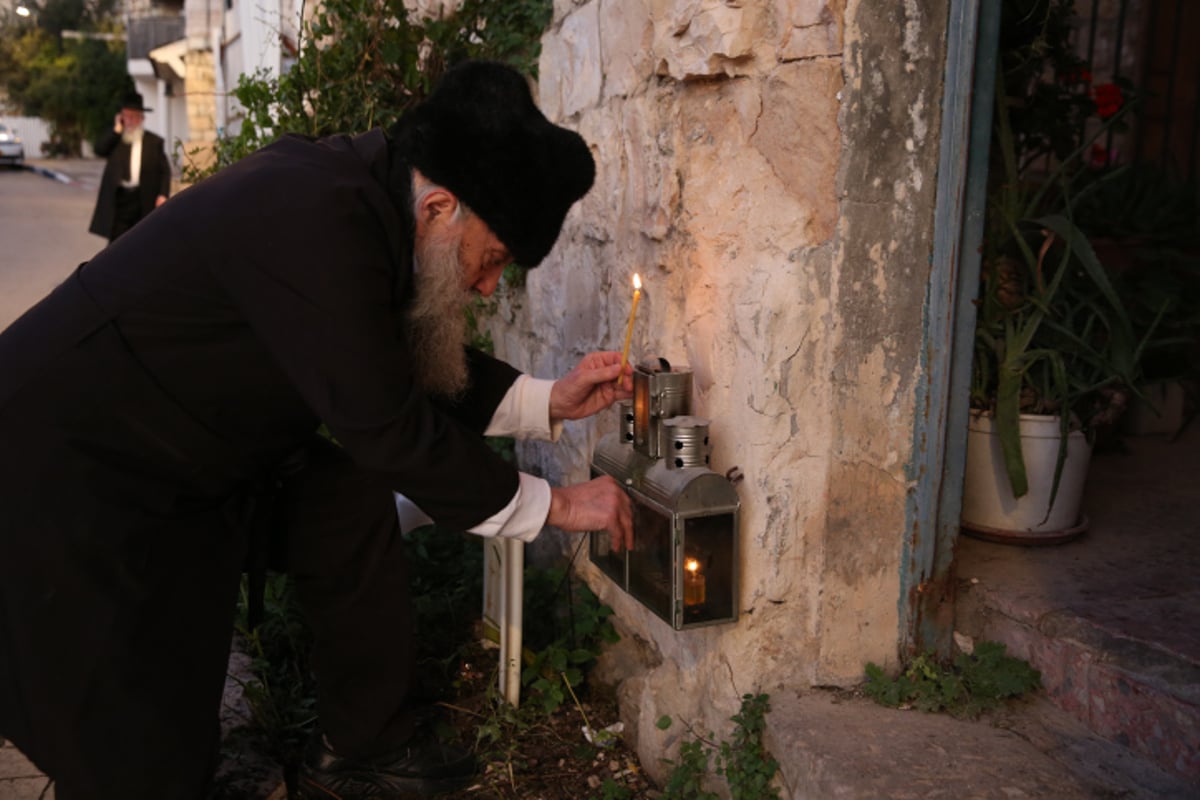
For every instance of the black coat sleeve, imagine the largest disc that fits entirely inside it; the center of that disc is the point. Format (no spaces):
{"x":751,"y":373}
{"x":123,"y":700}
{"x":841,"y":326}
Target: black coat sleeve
{"x":106,"y":142}
{"x":491,"y":379}
{"x":313,"y":277}
{"x":162,"y":168}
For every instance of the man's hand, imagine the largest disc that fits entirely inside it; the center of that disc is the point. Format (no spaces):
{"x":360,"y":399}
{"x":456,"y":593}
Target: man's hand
{"x":598,"y":505}
{"x":591,"y":386}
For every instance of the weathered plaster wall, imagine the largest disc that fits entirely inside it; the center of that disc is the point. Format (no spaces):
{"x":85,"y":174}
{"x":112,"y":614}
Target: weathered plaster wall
{"x":768,"y":167}
{"x":891,"y":118}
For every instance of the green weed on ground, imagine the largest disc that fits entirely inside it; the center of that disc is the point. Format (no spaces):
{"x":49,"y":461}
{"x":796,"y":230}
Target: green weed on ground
{"x":742,"y":760}
{"x":968,"y":686}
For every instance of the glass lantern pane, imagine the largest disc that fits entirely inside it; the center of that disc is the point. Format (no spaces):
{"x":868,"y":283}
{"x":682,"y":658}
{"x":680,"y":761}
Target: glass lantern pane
{"x":650,"y":567}
{"x":707,"y":568}
{"x":602,"y":555}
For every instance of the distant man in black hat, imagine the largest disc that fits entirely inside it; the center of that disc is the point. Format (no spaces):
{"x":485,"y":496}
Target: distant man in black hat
{"x":159,"y":401}
{"x":137,"y":177}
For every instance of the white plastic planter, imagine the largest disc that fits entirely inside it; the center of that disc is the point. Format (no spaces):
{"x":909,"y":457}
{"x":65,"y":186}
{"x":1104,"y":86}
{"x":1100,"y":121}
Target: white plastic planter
{"x":990,"y":511}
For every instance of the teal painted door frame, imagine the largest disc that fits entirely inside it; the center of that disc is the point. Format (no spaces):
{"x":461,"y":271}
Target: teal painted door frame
{"x":926,"y":601}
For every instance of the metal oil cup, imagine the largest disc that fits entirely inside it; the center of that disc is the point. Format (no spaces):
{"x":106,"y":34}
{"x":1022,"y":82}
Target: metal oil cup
{"x":660,"y":392}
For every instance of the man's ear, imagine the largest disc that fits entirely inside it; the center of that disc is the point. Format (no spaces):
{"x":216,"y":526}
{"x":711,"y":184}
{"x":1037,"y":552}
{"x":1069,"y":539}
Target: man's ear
{"x":440,"y":203}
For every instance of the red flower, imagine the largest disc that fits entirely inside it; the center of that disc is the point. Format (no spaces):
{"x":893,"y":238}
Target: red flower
{"x":1101,"y":157}
{"x":1108,"y":99}
{"x":1079,"y":75}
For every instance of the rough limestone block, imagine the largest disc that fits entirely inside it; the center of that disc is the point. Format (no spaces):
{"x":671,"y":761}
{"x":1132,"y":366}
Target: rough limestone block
{"x":811,"y":28}
{"x":626,"y":42}
{"x":570,"y":67}
{"x":705,"y":38}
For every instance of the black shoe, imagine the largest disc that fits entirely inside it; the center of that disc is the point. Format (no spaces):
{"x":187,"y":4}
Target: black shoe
{"x":422,"y":768}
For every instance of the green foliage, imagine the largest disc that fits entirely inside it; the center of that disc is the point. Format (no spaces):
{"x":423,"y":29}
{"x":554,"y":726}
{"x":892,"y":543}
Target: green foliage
{"x":686,"y":781}
{"x":1052,"y":335}
{"x":73,"y":84}
{"x":563,"y":635}
{"x":500,"y":733}
{"x":1142,"y":202}
{"x":446,"y":569}
{"x":562,"y":638}
{"x":742,"y":760}
{"x":362,"y":63}
{"x":446,"y":580}
{"x":611,"y":790}
{"x":1148,"y":221}
{"x":1049,"y":114}
{"x":970,"y":685}
{"x":282,"y":692}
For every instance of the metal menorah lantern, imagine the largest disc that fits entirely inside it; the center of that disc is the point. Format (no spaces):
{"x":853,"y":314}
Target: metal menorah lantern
{"x":683,"y":565}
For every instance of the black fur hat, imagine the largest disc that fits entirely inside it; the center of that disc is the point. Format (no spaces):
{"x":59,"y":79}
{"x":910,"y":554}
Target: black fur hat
{"x":480,"y":135}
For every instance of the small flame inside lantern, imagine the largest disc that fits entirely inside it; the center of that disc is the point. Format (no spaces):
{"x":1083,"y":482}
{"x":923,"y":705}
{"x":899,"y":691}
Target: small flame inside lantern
{"x":693,"y":583}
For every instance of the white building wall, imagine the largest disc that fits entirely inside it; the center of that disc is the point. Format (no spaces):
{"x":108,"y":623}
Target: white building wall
{"x":34,"y":133}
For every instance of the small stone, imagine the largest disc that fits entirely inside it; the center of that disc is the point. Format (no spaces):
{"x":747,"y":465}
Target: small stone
{"x":593,"y":781}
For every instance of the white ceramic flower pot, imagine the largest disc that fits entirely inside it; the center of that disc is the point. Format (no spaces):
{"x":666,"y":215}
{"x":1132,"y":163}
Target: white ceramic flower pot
{"x":989,"y":509}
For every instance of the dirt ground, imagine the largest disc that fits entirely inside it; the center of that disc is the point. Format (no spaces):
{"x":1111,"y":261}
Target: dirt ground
{"x":535,"y":755}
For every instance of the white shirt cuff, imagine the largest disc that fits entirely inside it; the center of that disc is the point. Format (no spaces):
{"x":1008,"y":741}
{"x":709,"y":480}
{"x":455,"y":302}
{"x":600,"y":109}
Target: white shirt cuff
{"x":525,"y":515}
{"x":524,"y":413}
{"x":523,"y":518}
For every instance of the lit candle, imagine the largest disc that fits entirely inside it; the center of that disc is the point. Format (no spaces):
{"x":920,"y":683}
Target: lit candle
{"x":693,"y":583}
{"x":637,"y":294}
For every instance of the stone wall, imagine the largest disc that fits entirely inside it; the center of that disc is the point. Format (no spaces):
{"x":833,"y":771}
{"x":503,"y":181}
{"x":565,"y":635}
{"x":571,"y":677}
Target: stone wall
{"x":768,"y":167}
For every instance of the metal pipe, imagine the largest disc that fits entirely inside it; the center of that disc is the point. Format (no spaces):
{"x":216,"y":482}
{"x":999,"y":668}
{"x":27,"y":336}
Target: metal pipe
{"x":513,"y":599}
{"x":219,"y":79}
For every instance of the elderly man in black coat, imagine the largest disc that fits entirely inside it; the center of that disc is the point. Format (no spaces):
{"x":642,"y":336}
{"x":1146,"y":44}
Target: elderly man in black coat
{"x":137,"y":175}
{"x":153,"y":404}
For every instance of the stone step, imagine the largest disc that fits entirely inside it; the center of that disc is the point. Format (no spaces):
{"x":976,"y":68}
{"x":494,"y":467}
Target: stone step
{"x":1121,"y":682}
{"x":840,"y":745}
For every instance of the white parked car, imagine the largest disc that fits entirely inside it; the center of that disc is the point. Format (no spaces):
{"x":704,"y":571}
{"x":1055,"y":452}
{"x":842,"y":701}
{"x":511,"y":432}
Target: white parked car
{"x":11,"y":150}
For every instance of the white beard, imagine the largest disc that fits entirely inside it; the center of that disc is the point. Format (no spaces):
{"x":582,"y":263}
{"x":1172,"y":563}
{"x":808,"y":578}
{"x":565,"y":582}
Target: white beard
{"x":437,"y":322}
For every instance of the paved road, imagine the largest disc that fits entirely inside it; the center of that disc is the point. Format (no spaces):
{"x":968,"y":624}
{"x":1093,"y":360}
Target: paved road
{"x":43,"y":229}
{"x":44,"y":214}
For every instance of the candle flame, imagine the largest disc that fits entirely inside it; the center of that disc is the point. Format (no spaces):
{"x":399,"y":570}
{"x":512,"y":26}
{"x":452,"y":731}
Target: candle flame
{"x":637,"y":281}
{"x":692,"y":565}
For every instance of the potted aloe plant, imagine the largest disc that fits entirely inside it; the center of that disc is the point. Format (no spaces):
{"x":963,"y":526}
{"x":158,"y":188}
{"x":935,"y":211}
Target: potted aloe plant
{"x":1056,"y":353}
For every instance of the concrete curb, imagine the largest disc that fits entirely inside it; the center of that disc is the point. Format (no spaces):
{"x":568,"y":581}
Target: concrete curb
{"x":46,"y":172}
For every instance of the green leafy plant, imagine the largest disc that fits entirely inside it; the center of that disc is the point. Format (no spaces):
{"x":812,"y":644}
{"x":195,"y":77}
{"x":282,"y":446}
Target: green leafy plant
{"x":686,"y":781}
{"x":499,"y":734}
{"x":965,"y":687}
{"x":742,"y":760}
{"x":563,"y":638}
{"x":281,"y":692}
{"x":1146,"y":221}
{"x":1052,"y":335}
{"x":74,"y":84}
{"x":611,"y":790}
{"x":362,"y":63}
